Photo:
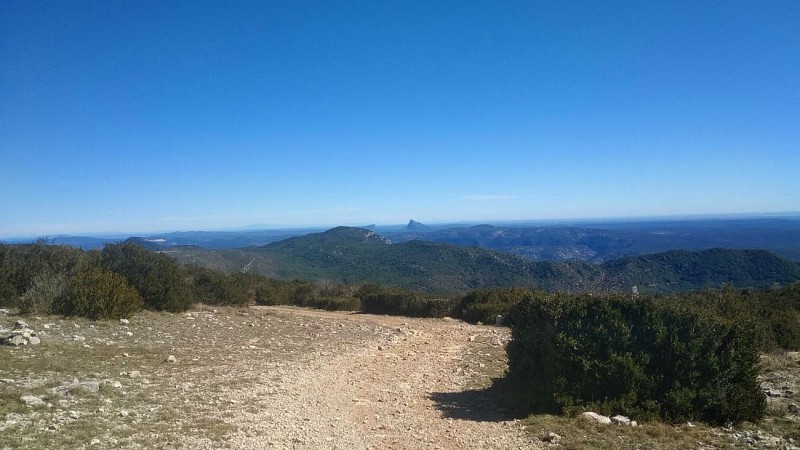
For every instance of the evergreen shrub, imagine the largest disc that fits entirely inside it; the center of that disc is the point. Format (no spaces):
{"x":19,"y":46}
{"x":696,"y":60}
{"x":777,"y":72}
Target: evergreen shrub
{"x":484,"y":305}
{"x":160,"y":280}
{"x":218,"y":288}
{"x":400,"y":302}
{"x":99,"y":294}
{"x":635,"y":357}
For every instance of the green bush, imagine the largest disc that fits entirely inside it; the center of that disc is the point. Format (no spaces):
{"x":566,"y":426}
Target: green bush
{"x":99,"y":294}
{"x":773,"y":314}
{"x":633,"y":357}
{"x":484,"y":305}
{"x":46,"y":292}
{"x":215,"y":288}
{"x":23,"y":265}
{"x":161,"y":282}
{"x":400,"y":302}
{"x":337,"y":303}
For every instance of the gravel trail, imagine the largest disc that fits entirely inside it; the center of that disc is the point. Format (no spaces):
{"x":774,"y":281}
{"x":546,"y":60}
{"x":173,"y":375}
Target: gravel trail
{"x":256,"y":378}
{"x":404,"y":385}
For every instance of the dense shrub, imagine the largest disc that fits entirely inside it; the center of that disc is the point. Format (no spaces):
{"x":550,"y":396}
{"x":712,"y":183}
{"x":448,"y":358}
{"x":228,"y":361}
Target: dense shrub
{"x":773,"y":314}
{"x":634,"y":357}
{"x":336,"y":303}
{"x":158,"y":278}
{"x":46,"y":291}
{"x":384,"y":300}
{"x":23,"y":265}
{"x":484,"y":305}
{"x":99,"y":294}
{"x":216,"y":288}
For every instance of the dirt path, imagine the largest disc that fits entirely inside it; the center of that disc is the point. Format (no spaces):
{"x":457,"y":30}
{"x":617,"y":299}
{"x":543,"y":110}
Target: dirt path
{"x":267,"y":377}
{"x":404,"y":386}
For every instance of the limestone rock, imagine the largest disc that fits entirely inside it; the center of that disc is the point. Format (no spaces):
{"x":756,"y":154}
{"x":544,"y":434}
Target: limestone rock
{"x":32,"y":400}
{"x":598,"y":418}
{"x":620,"y":420}
{"x":16,"y":340}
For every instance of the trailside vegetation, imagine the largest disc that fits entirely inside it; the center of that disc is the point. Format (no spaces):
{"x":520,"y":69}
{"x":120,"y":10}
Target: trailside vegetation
{"x":634,"y":356}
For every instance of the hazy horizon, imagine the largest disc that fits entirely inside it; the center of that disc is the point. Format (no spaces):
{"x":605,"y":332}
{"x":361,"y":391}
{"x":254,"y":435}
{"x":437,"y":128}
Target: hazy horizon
{"x":155,"y":116}
{"x":791,"y":215}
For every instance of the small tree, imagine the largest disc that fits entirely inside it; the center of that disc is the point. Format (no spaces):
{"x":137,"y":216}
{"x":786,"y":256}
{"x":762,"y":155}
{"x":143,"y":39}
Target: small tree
{"x":159,"y":279}
{"x":99,"y":294}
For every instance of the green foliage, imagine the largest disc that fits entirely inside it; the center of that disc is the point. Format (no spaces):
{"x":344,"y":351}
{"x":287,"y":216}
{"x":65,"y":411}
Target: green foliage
{"x":22,"y":266}
{"x":681,"y":270}
{"x":322,"y":294}
{"x":355,"y":256}
{"x":484,"y":305}
{"x":99,"y":294}
{"x":215,"y":288}
{"x":773,"y":314}
{"x":634,"y":357}
{"x":46,"y":291}
{"x":377,"y":299}
{"x":158,"y":278}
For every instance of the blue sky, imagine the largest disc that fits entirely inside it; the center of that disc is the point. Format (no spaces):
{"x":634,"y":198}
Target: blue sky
{"x":158,"y":116}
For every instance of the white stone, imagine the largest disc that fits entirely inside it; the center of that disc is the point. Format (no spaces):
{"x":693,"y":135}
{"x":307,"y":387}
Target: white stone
{"x":16,"y":340}
{"x":32,"y":400}
{"x":621,"y":420}
{"x":599,"y":418}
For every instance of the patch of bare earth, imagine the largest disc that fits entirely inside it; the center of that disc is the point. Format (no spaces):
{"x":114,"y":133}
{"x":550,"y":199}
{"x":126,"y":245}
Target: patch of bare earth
{"x":265,"y":377}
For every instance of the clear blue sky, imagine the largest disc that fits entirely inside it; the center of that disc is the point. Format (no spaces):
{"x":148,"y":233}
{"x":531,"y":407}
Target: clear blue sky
{"x":188,"y":115}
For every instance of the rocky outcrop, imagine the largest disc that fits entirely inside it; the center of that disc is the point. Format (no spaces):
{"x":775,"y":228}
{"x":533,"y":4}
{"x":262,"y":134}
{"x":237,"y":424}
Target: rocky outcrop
{"x":20,"y":335}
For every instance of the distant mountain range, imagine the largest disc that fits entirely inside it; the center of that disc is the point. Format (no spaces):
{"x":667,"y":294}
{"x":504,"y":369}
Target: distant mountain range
{"x":605,"y":241}
{"x":589,"y":242}
{"x":356,"y":255}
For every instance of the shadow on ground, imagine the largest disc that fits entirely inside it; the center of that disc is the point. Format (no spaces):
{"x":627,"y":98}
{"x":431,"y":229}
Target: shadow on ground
{"x":491,"y":404}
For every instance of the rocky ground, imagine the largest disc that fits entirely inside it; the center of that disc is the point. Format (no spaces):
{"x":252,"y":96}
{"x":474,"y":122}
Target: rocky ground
{"x":280,"y":377}
{"x":255,"y":378}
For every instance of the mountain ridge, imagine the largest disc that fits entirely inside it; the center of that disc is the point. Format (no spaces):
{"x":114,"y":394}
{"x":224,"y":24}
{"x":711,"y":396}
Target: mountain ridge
{"x":355,"y":255}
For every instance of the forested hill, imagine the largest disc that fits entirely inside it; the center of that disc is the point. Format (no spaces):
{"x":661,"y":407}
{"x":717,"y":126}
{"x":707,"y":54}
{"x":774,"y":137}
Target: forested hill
{"x":355,"y":255}
{"x":681,"y":270}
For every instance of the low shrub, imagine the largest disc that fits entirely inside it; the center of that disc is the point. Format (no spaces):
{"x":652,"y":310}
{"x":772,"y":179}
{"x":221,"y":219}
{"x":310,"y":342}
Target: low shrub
{"x":484,"y":305}
{"x":337,"y":303}
{"x":46,"y":292}
{"x":399,"y":302}
{"x":99,"y":294}
{"x":635,"y":357}
{"x":217,"y":288}
{"x":160,"y":280}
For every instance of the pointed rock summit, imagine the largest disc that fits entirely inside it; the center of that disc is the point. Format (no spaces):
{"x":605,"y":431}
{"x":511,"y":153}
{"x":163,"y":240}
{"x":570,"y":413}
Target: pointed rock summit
{"x":416,"y":226}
